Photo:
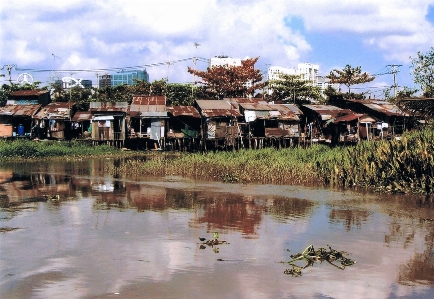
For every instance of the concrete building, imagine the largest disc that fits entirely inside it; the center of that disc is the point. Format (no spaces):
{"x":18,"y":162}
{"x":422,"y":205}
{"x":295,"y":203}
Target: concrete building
{"x":224,"y":60}
{"x":127,"y":78}
{"x":308,"y":72}
{"x":274,"y":72}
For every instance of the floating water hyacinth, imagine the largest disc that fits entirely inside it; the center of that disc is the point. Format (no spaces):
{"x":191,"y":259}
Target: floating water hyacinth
{"x":310,"y":256}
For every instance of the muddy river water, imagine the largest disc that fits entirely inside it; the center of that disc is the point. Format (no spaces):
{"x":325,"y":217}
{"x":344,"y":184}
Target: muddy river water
{"x":69,"y":230}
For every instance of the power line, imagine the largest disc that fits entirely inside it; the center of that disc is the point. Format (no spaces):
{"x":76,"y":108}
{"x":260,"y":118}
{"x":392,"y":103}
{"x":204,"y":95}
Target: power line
{"x":119,"y":69}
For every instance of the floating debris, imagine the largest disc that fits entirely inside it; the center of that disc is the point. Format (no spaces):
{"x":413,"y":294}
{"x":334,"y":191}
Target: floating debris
{"x":310,"y":256}
{"x":8,"y":229}
{"x":53,"y":198}
{"x":212,"y":242}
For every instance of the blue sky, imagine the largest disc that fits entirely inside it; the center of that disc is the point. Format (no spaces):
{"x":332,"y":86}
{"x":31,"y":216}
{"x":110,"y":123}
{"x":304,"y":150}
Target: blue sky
{"x":51,"y":39}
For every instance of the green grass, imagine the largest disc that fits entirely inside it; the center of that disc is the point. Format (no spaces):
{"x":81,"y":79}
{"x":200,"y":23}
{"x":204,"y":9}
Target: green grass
{"x":27,"y":149}
{"x":405,"y":165}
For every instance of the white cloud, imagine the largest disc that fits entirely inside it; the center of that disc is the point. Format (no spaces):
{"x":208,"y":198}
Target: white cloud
{"x":115,"y":33}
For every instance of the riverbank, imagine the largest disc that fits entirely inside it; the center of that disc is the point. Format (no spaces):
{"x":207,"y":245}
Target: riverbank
{"x":396,"y":166}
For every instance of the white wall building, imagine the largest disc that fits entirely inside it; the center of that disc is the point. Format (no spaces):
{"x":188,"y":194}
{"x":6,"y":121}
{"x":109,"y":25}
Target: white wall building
{"x":224,"y":60}
{"x":308,"y":72}
{"x":274,"y":72}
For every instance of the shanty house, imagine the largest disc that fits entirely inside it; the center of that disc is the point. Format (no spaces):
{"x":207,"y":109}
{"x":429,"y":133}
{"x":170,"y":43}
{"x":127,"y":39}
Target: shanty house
{"x":53,"y":121}
{"x":219,"y":121}
{"x":390,"y":120}
{"x":351,"y":128}
{"x":108,"y":122}
{"x":16,"y":120}
{"x":82,"y":124}
{"x":183,"y":127}
{"x":147,"y":116}
{"x":318,"y":120}
{"x":30,"y":97}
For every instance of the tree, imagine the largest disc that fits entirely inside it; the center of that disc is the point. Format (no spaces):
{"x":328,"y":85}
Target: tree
{"x":406,"y":92}
{"x":231,"y":81}
{"x":349,"y":76}
{"x":293,"y":89}
{"x":423,"y":71}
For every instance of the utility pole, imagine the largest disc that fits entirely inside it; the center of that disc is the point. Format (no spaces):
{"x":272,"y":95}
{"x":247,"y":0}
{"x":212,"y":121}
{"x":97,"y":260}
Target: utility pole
{"x":8,"y":69}
{"x":394,"y":71}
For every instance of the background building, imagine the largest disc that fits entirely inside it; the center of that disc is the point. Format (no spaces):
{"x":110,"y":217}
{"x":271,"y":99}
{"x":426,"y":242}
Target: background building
{"x":127,"y":78}
{"x":275,"y":72}
{"x":224,"y":60}
{"x":308,"y":72}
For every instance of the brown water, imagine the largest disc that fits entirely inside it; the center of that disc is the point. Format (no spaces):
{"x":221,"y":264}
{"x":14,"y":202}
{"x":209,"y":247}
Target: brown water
{"x":117,"y":238}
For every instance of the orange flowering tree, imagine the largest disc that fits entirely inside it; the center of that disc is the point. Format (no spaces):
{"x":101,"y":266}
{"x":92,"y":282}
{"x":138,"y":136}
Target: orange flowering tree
{"x":226,"y":81}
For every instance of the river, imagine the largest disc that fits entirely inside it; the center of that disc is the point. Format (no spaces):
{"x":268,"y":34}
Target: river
{"x":70,"y":230}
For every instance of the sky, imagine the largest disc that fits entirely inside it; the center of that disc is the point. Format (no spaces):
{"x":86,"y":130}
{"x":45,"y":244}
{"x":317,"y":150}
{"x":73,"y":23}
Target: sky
{"x":51,"y":39}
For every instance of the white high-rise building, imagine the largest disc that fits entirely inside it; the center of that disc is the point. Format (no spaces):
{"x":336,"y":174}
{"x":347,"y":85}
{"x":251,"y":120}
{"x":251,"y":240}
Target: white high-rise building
{"x":224,"y":60}
{"x":308,"y":72}
{"x":274,"y":72}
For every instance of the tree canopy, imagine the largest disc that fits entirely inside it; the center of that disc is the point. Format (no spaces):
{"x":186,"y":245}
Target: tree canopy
{"x":230,"y":81}
{"x":423,"y":71}
{"x":293,"y":89}
{"x":349,"y":76}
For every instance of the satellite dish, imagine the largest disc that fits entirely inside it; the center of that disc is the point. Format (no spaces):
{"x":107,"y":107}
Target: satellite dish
{"x":25,"y":78}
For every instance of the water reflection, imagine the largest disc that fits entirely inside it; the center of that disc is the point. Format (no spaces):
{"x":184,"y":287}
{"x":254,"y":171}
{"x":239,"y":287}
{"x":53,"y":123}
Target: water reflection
{"x":112,"y":234}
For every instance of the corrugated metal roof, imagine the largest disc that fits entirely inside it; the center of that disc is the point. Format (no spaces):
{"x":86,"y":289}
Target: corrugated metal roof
{"x":59,"y":110}
{"x":293,"y":108}
{"x":80,"y":116}
{"x":217,"y":108}
{"x":327,"y":111}
{"x":183,"y":111}
{"x":108,"y":107}
{"x":381,"y":106}
{"x":148,"y":106}
{"x":237,"y":101}
{"x":276,"y":111}
{"x":288,"y":112}
{"x":346,"y":118}
{"x":20,"y":110}
{"x":214,"y":104}
{"x":258,"y":107}
{"x":388,"y":109}
{"x":26,"y":93}
{"x":221,"y":113}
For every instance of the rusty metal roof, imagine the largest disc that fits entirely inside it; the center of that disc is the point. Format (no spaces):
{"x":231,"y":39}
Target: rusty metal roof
{"x":347,"y":118}
{"x":237,"y":101}
{"x":381,"y":106}
{"x":108,"y":107}
{"x":20,"y":110}
{"x":148,"y":106}
{"x":80,"y":116}
{"x":294,"y":108}
{"x":183,"y":111}
{"x":275,"y":111}
{"x":327,"y":111}
{"x":217,"y":108}
{"x":221,"y":113}
{"x":288,"y":112}
{"x":27,"y":93}
{"x":58,"y":110}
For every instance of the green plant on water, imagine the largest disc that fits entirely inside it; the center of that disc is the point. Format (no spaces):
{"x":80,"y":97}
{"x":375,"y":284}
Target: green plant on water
{"x":310,"y":256}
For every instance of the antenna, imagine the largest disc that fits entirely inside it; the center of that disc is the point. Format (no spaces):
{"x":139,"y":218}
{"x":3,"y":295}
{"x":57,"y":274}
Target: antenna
{"x":9,"y":68}
{"x":54,"y":56}
{"x":394,"y":71}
